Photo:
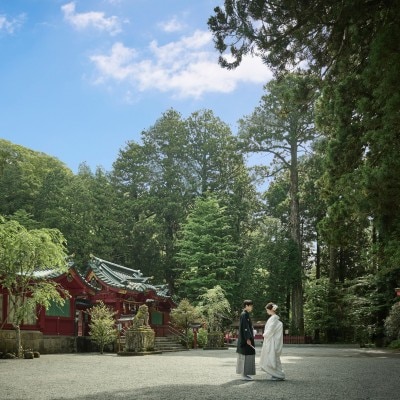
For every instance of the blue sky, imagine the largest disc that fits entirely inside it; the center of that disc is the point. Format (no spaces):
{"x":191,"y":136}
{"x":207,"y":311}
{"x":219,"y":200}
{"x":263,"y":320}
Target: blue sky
{"x":79,"y":79}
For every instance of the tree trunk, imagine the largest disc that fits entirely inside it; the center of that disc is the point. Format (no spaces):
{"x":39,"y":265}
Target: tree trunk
{"x":318,"y":261}
{"x":297,"y":288}
{"x":297,"y":308}
{"x":18,"y":341}
{"x":332,"y":264}
{"x":317,"y":276}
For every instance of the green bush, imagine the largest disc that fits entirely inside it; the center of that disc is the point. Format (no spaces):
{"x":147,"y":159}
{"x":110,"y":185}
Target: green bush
{"x":392,"y":322}
{"x":395,"y":344}
{"x":102,"y":329}
{"x":202,"y":337}
{"x":189,"y":338}
{"x":215,"y":339}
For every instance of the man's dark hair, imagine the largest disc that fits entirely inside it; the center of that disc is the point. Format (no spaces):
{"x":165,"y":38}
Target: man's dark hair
{"x":247,"y":303}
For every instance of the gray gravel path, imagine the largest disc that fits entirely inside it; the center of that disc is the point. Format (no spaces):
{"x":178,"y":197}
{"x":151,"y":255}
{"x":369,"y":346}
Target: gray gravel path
{"x":313,"y":372}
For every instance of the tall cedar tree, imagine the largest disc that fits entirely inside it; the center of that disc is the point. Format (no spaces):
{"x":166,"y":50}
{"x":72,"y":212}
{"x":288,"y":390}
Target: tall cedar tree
{"x":282,"y":127}
{"x":206,"y":255}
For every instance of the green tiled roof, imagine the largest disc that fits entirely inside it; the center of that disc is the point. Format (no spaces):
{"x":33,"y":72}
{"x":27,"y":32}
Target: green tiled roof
{"x":121,"y":277}
{"x":54,"y":274}
{"x":47,"y":273}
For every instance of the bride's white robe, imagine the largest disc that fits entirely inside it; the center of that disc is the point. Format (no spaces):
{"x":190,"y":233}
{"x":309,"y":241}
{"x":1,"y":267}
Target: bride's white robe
{"x":270,"y":360}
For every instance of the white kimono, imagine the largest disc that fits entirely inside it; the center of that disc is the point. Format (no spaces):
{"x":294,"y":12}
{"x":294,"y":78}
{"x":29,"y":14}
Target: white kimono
{"x":270,"y":360}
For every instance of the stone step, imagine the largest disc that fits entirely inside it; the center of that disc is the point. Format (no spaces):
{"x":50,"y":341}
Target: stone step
{"x":163,"y":343}
{"x":168,"y":343}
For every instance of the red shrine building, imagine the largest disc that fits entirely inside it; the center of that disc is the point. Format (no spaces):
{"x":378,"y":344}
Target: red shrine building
{"x":64,"y":329}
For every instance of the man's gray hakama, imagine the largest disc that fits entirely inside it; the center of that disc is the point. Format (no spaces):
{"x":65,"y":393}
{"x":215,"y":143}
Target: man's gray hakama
{"x":246,"y":361}
{"x":246,"y":365}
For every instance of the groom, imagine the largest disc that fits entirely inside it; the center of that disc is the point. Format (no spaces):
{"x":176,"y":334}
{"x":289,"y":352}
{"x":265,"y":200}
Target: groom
{"x":246,"y":361}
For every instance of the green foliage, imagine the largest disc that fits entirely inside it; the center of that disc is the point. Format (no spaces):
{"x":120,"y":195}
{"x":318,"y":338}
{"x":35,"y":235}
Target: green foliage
{"x":215,"y":308}
{"x":320,"y":311}
{"x":202,"y":337}
{"x":312,"y":32}
{"x":22,"y":173}
{"x":355,"y":45}
{"x":282,"y":126}
{"x":84,"y":208}
{"x":133,"y":215}
{"x":395,"y":344}
{"x":181,"y":206}
{"x":212,"y":153}
{"x":215,"y":339}
{"x":312,"y":207}
{"x":207,"y":254}
{"x":159,"y":180}
{"x":392,"y":322}
{"x":362,"y":301}
{"x":102,"y":325}
{"x":267,"y":272}
{"x":25,"y":256}
{"x":143,"y":233}
{"x":184,"y":315}
{"x":189,"y":339}
{"x":343,"y":313}
{"x":25,"y":219}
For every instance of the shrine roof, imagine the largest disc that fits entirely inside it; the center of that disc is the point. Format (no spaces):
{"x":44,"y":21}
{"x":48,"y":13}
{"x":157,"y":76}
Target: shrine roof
{"x":121,"y":277}
{"x":48,"y":273}
{"x":56,"y":274}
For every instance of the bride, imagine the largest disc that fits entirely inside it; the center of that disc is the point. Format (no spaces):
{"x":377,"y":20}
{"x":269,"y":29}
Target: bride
{"x":270,"y":360}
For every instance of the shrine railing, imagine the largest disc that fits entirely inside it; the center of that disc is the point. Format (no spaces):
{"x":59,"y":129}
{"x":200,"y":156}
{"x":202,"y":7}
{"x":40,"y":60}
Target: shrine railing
{"x":173,"y":331}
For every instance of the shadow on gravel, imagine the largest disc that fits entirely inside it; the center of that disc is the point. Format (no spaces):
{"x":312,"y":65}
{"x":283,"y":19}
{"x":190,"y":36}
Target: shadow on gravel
{"x":234,"y":390}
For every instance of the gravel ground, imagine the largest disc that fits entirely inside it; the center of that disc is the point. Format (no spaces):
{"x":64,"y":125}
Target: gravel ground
{"x":313,"y":372}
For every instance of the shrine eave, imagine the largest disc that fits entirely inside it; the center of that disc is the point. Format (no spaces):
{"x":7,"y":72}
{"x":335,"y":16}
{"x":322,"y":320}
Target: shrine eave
{"x":122,"y":278}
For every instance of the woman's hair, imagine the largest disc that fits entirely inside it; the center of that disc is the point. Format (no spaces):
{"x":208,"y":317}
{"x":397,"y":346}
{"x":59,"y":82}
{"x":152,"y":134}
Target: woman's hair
{"x":247,"y":303}
{"x":271,"y":306}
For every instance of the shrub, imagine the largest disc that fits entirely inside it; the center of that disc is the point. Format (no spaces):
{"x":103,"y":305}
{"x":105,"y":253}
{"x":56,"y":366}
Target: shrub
{"x":202,"y":337}
{"x":184,"y":315}
{"x":392,"y":322}
{"x":102,"y":329}
{"x":189,"y":339}
{"x":395,"y":344}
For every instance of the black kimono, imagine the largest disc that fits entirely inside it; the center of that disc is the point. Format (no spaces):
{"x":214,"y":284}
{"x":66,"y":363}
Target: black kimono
{"x":246,"y":363}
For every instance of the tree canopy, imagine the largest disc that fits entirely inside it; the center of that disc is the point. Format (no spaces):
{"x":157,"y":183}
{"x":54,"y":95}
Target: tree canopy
{"x":206,"y":252}
{"x":25,"y":256}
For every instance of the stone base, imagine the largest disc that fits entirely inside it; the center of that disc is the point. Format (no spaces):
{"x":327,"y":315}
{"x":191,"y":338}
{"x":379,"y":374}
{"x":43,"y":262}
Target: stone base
{"x":216,"y":348}
{"x":139,"y":340}
{"x":138,"y":353}
{"x":36,"y":341}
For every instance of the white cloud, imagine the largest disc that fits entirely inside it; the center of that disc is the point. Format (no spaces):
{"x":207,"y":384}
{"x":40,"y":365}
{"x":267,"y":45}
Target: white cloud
{"x":118,"y":65}
{"x":95,"y":19}
{"x":172,"y":25}
{"x":11,"y":25}
{"x":186,"y":68}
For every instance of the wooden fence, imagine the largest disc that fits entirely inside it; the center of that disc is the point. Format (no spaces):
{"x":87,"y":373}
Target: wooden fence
{"x":289,"y":339}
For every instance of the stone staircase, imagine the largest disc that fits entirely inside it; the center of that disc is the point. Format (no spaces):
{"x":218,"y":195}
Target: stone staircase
{"x":168,"y":344}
